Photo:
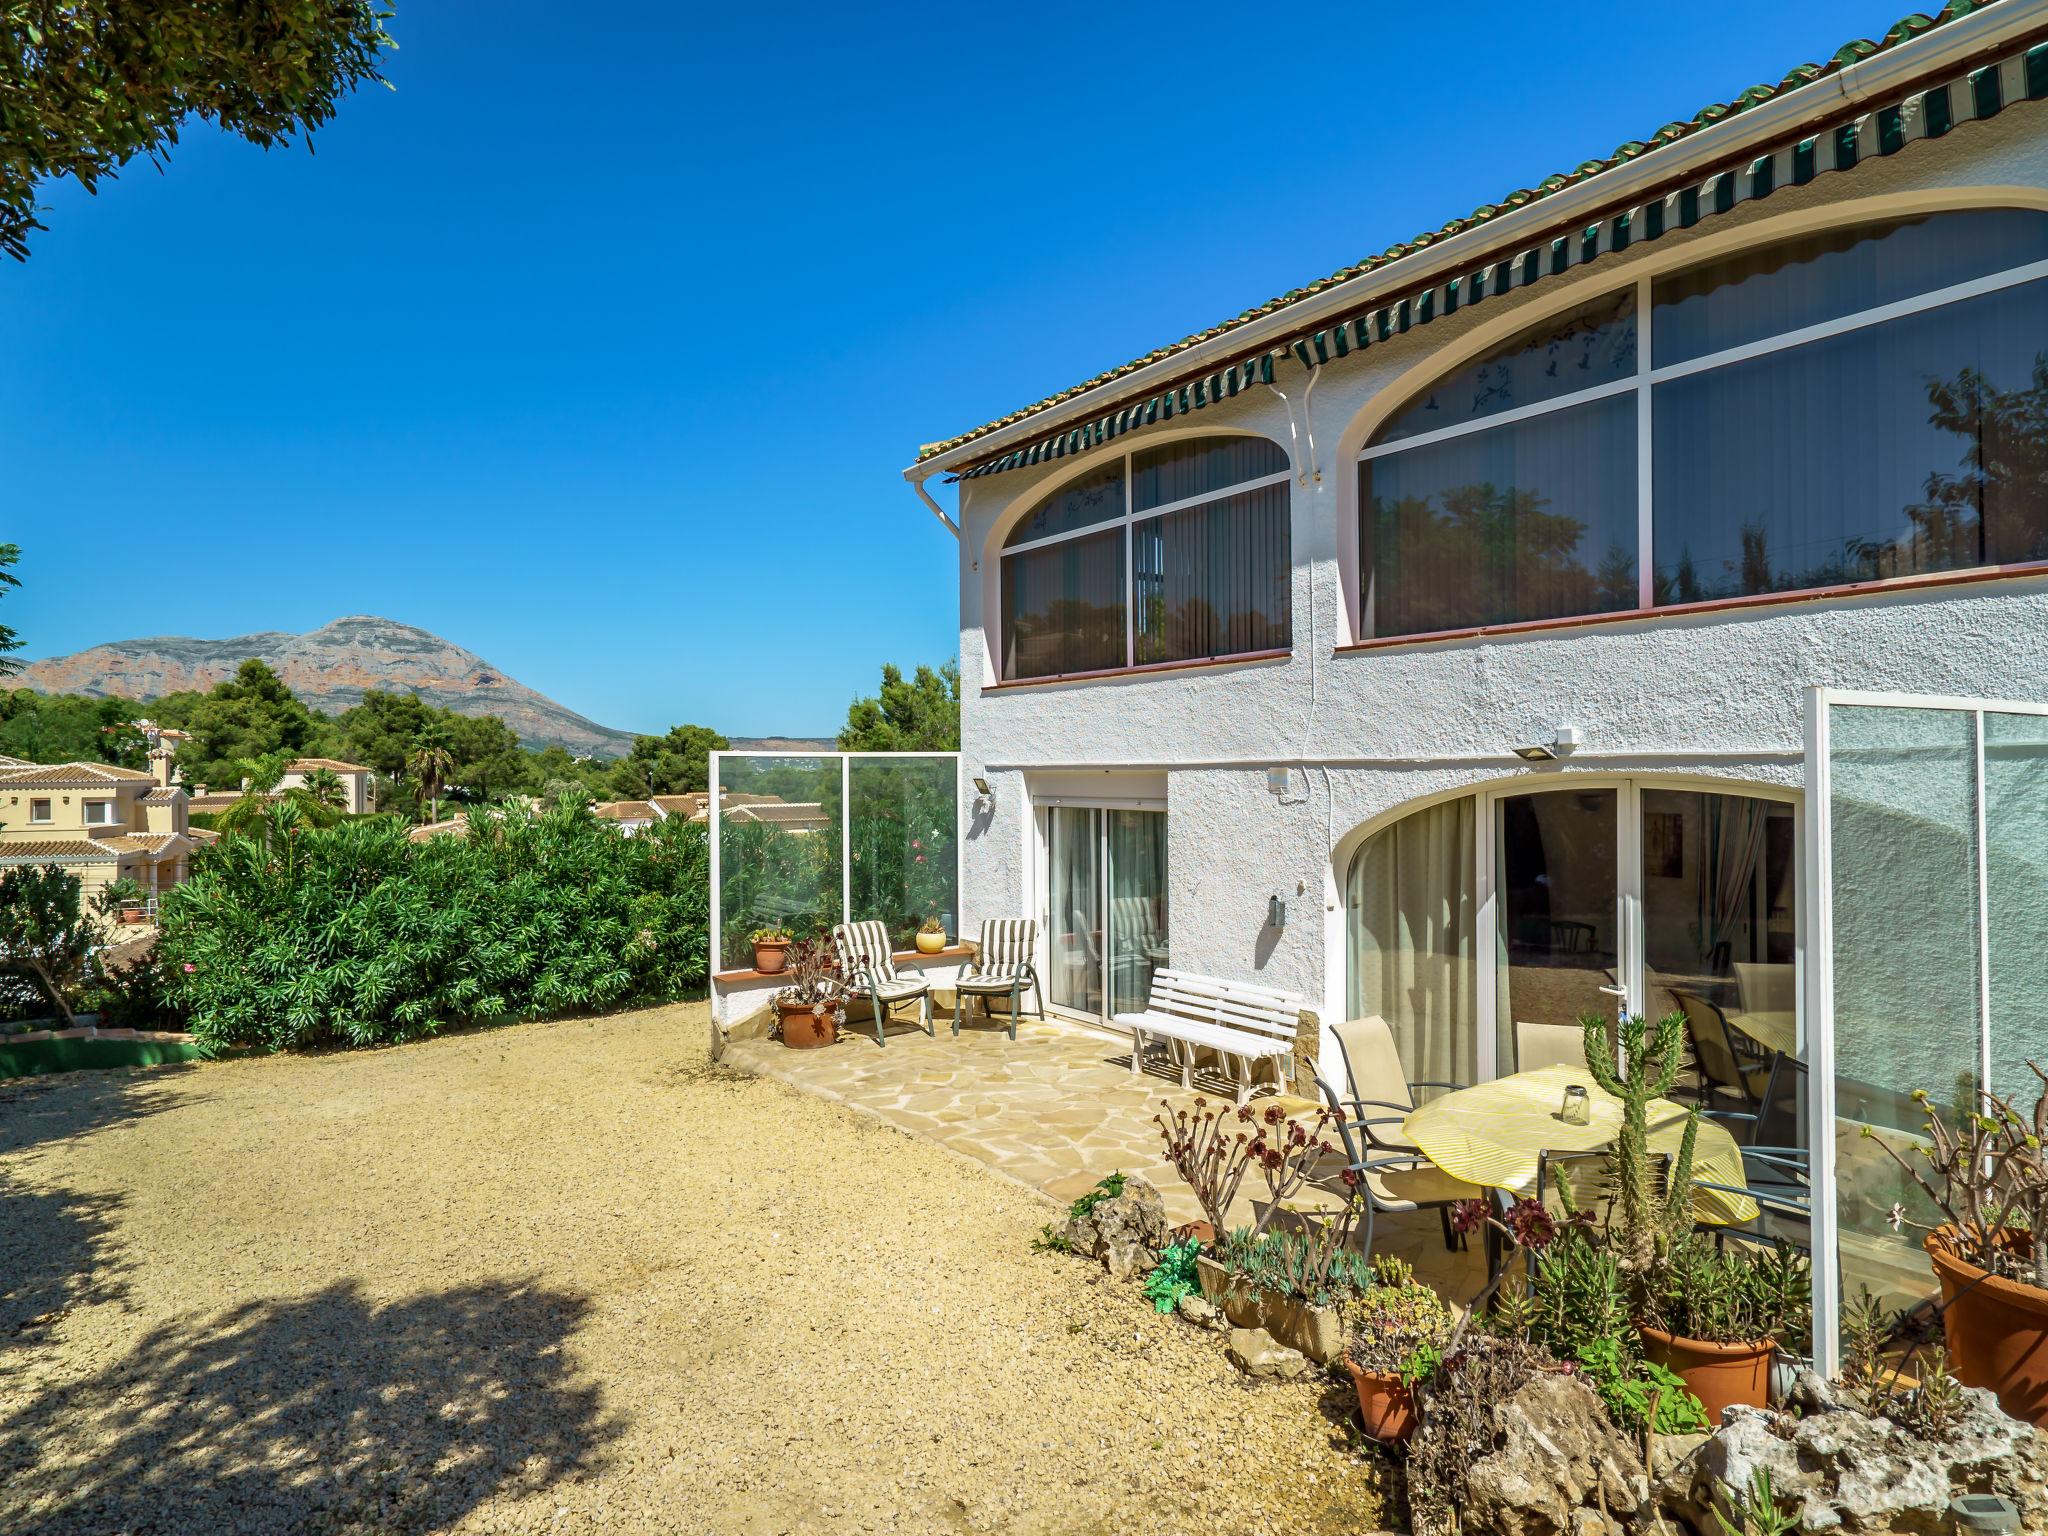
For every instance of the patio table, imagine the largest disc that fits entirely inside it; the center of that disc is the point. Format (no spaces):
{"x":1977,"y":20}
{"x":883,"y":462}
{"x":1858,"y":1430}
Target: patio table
{"x":1492,"y":1134}
{"x":1771,"y":1028}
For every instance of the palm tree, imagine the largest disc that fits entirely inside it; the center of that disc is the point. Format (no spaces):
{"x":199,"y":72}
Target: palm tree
{"x":324,"y":787}
{"x":430,"y":762}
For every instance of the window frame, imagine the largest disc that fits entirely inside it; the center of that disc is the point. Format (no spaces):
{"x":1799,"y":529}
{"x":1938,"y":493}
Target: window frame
{"x":1642,"y":385}
{"x":106,"y":818}
{"x":49,"y":805}
{"x":1127,"y":522}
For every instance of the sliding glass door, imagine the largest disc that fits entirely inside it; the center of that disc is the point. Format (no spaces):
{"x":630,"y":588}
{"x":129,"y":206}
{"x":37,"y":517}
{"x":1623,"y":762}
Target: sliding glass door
{"x":1557,"y":921}
{"x":1103,"y":862}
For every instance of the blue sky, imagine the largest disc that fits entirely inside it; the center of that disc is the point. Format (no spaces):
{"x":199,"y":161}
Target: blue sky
{"x":599,"y":345}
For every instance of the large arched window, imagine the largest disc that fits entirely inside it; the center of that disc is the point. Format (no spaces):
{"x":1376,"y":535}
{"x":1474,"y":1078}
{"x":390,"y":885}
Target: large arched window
{"x":1174,"y":553}
{"x":1862,"y":403}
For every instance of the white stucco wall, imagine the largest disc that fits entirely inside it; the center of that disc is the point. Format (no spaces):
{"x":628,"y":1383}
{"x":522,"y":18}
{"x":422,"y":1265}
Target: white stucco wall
{"x":1707,"y":694}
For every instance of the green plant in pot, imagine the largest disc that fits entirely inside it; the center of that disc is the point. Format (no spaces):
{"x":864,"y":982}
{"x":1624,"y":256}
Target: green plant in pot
{"x":809,"y":1011}
{"x":1987,"y":1174}
{"x":771,"y":950}
{"x":1399,"y":1329}
{"x":1718,"y":1316}
{"x":931,"y":936}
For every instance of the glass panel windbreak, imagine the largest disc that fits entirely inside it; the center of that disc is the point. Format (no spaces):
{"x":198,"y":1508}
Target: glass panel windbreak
{"x":1063,"y":607}
{"x":1593,"y":345}
{"x":1532,"y":520}
{"x":1915,"y":446}
{"x":1411,"y":907}
{"x":1097,"y":497}
{"x":1179,"y":471}
{"x":903,"y":820}
{"x":2016,"y":892}
{"x":778,"y":846}
{"x":1825,"y":276}
{"x":1214,"y":579}
{"x":1902,"y":838}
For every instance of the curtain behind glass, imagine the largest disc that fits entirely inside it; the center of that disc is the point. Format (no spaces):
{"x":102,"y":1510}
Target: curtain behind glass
{"x":1063,"y":607}
{"x":2016,"y":888}
{"x":1914,"y":446}
{"x":1094,"y":498}
{"x":1176,"y":471}
{"x":1215,"y":579}
{"x":1797,"y":283}
{"x":1534,"y":520}
{"x":1137,"y":905}
{"x":1410,"y":931}
{"x":1074,"y":908}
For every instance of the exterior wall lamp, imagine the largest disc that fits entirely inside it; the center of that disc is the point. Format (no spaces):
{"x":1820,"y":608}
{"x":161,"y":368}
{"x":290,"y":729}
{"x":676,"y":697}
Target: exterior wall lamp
{"x":1563,"y":742}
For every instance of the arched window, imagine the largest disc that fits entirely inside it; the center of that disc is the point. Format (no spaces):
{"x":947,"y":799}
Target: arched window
{"x":1174,"y":553}
{"x":1862,"y":403}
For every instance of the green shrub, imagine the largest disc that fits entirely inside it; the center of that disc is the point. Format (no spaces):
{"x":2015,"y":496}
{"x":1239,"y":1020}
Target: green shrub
{"x":1174,"y":1275}
{"x":302,"y":936}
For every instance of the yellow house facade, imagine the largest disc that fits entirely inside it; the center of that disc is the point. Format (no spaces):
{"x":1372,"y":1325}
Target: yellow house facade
{"x":97,"y":821}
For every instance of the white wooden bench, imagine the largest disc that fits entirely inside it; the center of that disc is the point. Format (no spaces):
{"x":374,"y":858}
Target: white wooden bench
{"x":1246,"y":1025}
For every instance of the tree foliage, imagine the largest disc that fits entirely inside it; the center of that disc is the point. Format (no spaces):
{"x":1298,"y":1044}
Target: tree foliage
{"x":70,"y":728}
{"x":87,"y":85}
{"x":675,"y":764}
{"x":9,"y":641}
{"x":921,"y":715}
{"x":46,"y":938}
{"x":355,"y":935}
{"x":250,"y":716}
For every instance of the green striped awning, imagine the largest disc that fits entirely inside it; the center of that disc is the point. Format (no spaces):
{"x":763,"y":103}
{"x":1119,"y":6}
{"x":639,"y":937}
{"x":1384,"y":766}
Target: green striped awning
{"x":1874,"y":134}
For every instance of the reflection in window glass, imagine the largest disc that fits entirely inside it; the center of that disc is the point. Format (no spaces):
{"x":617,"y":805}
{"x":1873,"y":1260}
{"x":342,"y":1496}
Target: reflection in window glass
{"x":1533,"y":520}
{"x":778,"y":850}
{"x":1063,"y":607}
{"x":1914,"y":446}
{"x":1796,"y":283}
{"x":1094,"y":498}
{"x":903,"y":869}
{"x":1591,"y":346}
{"x":2016,"y":891}
{"x":1214,"y":579}
{"x":1177,"y":471}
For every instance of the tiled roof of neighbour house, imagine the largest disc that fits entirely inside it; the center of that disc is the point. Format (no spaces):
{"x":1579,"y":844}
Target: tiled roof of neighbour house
{"x":164,"y":796}
{"x":140,"y":842}
{"x":14,"y":762}
{"x":213,"y":800}
{"x":455,"y":826}
{"x":691,"y":804}
{"x":795,"y":813}
{"x":332,"y":764}
{"x":624,"y":810}
{"x":1864,"y":134}
{"x":38,"y":850}
{"x":201,"y":836}
{"x":71,"y":776}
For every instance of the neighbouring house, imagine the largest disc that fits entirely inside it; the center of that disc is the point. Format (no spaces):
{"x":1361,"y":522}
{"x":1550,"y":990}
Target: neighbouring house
{"x":629,"y":816}
{"x":99,"y":822}
{"x":358,"y":784}
{"x":1445,"y":639}
{"x":795,"y":816}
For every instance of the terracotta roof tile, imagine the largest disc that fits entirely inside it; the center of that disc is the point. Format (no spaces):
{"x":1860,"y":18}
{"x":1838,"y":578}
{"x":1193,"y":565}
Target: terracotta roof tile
{"x":29,"y":850}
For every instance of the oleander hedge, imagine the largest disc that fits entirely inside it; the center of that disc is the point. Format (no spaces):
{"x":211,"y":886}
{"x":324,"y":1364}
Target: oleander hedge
{"x":354,"y":935}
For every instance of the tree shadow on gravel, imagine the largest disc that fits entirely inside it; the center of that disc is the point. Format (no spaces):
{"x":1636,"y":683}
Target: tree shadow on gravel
{"x":65,"y":1105}
{"x":325,"y":1413}
{"x":56,"y":1253}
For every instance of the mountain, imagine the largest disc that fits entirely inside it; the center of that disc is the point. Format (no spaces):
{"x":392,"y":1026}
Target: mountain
{"x":330,"y":668}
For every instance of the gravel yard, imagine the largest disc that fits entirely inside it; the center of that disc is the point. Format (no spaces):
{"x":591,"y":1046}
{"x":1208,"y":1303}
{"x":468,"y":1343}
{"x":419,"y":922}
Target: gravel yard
{"x":571,"y":1276}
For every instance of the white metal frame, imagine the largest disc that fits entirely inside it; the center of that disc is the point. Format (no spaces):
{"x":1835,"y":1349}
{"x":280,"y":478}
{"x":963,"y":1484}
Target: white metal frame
{"x":845,"y":830}
{"x":1647,"y":377}
{"x":1817,"y":983}
{"x":1128,"y":522}
{"x":1039,"y":877}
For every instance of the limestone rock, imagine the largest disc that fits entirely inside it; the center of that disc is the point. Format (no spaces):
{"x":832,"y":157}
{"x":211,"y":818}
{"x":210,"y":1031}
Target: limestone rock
{"x":1843,"y":1470}
{"x":1195,"y":1310}
{"x":1559,"y":1467}
{"x":1253,"y":1351}
{"x":1125,"y":1231}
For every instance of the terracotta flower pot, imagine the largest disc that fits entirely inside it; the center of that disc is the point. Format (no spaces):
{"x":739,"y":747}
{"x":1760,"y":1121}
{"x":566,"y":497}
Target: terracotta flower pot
{"x":930,"y":943}
{"x":770,"y":956}
{"x":1997,"y":1329}
{"x":803,"y":1030}
{"x":1719,"y":1375}
{"x":1385,"y":1406}
{"x":1200,"y":1231}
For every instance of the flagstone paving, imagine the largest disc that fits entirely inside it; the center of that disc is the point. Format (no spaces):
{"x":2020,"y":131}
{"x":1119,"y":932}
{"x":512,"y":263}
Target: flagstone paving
{"x":1057,"y":1108}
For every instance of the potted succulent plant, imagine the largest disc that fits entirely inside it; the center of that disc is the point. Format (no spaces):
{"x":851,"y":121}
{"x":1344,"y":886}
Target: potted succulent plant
{"x":1294,"y":1284}
{"x":809,"y":1011}
{"x":1399,"y":1330}
{"x":121,"y":900}
{"x":1718,"y":1318}
{"x":931,"y":938}
{"x":1990,"y":1250}
{"x":771,"y":950}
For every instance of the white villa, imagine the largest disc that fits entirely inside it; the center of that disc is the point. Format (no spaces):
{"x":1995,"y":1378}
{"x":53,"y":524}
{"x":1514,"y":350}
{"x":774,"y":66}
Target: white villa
{"x":1475,"y":636}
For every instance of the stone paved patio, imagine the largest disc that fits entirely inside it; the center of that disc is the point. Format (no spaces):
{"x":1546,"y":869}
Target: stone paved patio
{"x":1056,"y":1109}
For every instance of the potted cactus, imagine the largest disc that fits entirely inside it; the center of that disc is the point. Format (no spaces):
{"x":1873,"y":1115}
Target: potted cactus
{"x":1990,"y":1250}
{"x":809,"y":1011}
{"x":771,"y":950}
{"x":931,"y":937}
{"x":1717,"y":1318}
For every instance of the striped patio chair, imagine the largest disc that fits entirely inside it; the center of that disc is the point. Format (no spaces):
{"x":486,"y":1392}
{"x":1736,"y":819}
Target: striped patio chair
{"x":868,"y":962}
{"x":1002,"y":965}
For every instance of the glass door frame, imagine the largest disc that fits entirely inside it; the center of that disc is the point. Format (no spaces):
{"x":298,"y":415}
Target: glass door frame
{"x":1628,"y":789}
{"x":1040,"y":876}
